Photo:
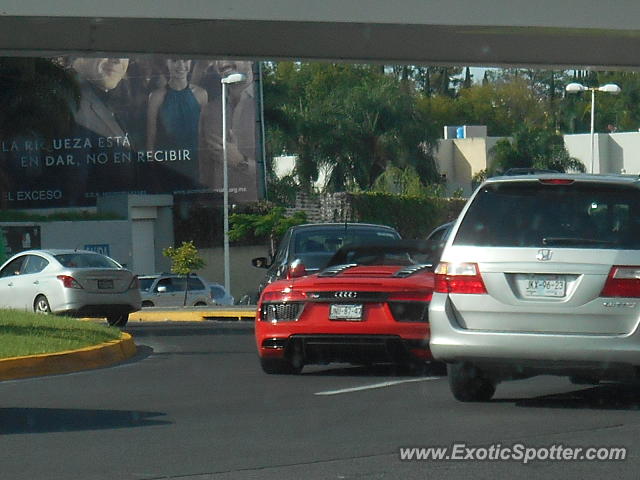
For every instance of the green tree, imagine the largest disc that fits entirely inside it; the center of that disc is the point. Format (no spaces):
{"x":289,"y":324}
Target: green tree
{"x":184,"y":260}
{"x":271,"y":225}
{"x":533,"y":147}
{"x":400,"y":181}
{"x":350,"y":120}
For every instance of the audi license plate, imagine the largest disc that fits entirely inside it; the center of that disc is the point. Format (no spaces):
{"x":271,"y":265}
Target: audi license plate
{"x":340,"y":311}
{"x":545,"y":286}
{"x":105,"y":284}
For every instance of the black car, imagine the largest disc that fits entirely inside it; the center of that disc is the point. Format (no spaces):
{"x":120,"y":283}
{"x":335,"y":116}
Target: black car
{"x":305,"y":249}
{"x":437,"y":240}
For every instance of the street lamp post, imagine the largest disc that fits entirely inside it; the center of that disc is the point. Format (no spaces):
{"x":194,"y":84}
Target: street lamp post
{"x":229,"y":79}
{"x":608,"y":88}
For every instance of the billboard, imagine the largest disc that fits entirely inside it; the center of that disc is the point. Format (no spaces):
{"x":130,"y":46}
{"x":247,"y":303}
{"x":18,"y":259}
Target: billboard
{"x":141,"y":125}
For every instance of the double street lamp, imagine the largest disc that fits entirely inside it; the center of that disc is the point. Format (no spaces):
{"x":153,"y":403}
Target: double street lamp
{"x":608,"y":88}
{"x":229,"y":79}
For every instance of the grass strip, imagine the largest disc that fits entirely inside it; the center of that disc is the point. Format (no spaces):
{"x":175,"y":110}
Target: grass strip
{"x":25,"y":333}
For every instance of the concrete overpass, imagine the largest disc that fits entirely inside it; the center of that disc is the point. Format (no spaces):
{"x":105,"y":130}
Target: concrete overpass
{"x":585,"y":33}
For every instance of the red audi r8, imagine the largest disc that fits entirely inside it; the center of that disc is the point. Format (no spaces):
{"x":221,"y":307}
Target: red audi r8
{"x":368,"y":305}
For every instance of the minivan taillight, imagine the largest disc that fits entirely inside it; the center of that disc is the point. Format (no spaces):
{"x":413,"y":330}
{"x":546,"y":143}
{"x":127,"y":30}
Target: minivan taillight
{"x":623,"y":281}
{"x":458,"y":278}
{"x":556,"y":181}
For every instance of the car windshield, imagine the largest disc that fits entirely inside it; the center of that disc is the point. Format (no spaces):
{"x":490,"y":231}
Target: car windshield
{"x":85,"y":260}
{"x":399,"y":252}
{"x":315,"y":247}
{"x":579,"y":215}
{"x":145,"y":283}
{"x":330,"y":240}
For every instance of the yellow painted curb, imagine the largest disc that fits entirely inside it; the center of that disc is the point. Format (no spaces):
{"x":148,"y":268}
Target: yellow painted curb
{"x":68,"y":361}
{"x":182,"y":315}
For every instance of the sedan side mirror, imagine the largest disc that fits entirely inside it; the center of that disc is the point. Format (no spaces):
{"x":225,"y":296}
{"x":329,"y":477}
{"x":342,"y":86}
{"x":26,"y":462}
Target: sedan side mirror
{"x":260,"y":262}
{"x":162,"y":289}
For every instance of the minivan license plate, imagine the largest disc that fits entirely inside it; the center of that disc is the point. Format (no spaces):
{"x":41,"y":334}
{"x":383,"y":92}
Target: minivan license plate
{"x":340,"y":311}
{"x":545,"y":286}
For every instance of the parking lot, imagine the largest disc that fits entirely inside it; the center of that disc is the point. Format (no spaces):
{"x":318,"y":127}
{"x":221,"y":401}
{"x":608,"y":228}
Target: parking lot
{"x":194,"y":404}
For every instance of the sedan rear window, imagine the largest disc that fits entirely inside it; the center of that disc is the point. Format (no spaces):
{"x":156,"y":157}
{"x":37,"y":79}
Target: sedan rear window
{"x":532,"y":214}
{"x":85,"y":260}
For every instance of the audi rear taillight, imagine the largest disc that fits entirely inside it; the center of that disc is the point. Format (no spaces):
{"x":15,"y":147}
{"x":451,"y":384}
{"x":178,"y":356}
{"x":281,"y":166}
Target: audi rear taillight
{"x":284,"y":295}
{"x":458,"y":278}
{"x":69,"y":282}
{"x":284,"y":305}
{"x":623,"y":281}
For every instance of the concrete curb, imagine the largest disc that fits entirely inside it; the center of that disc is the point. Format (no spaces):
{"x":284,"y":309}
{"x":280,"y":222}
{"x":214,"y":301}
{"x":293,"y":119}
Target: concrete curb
{"x":192,"y":314}
{"x":87,"y":358}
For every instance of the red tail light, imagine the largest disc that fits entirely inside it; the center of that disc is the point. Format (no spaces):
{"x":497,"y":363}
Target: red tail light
{"x":556,"y":181}
{"x":284,"y":295}
{"x":135,"y":283}
{"x":296,"y":269}
{"x":458,"y":278}
{"x":623,"y":281}
{"x":284,"y":305}
{"x":68,"y":281}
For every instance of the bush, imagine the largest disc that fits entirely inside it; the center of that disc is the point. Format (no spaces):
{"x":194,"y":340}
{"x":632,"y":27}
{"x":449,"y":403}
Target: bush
{"x":412,"y":216}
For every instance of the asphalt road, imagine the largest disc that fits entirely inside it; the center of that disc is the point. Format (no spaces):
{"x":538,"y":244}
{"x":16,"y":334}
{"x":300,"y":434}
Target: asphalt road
{"x":194,"y":405}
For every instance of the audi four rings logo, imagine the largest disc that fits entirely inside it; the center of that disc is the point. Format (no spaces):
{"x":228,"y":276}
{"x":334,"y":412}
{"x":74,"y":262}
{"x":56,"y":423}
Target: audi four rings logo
{"x":345,"y":294}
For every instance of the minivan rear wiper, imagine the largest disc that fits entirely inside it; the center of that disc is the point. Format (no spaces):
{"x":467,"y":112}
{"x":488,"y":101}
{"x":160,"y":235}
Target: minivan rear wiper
{"x":574,"y":241}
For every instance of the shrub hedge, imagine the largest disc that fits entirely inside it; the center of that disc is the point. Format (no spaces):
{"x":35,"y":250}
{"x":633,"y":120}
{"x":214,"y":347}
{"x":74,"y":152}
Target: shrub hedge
{"x":412,"y":216}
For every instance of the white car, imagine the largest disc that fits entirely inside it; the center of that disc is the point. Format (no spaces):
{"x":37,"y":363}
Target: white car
{"x":168,"y":290}
{"x":540,"y":275}
{"x":70,"y":282}
{"x":219,"y":295}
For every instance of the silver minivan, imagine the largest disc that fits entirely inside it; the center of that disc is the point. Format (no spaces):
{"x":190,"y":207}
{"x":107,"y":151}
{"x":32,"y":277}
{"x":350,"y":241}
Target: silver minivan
{"x":540,"y":275}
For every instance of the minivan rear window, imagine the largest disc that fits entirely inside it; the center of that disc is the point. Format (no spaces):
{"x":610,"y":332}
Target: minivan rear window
{"x":532,"y":214}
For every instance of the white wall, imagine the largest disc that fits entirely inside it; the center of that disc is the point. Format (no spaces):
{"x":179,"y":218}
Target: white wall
{"x":461,"y":158}
{"x":244,"y":276}
{"x":613,"y":152}
{"x":114,"y":233}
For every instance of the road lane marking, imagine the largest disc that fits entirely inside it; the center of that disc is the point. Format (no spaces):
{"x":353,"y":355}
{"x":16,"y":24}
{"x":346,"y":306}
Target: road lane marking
{"x":376,"y":385}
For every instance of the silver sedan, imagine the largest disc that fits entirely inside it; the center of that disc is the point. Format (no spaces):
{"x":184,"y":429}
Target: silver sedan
{"x":70,"y":282}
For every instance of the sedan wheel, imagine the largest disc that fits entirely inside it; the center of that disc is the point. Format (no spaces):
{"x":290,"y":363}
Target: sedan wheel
{"x":469,"y":384}
{"x":41,"y":305}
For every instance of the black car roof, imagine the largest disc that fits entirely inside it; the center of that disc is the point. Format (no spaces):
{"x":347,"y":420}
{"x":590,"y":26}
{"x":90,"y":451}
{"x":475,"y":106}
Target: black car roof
{"x":348,"y":225}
